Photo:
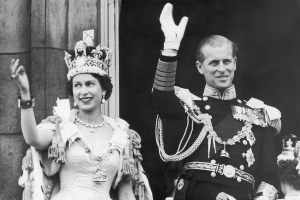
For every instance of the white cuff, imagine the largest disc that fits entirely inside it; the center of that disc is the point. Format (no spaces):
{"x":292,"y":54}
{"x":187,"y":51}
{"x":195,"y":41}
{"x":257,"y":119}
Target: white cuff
{"x":171,"y":44}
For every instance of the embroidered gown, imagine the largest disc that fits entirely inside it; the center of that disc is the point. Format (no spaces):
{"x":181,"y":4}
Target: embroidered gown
{"x":76,"y":176}
{"x":91,"y":170}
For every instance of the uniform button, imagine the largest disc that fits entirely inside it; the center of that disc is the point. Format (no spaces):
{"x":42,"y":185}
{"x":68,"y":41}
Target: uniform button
{"x":205,"y":98}
{"x":213,"y":174}
{"x":244,"y":155}
{"x":180,"y":184}
{"x":242,"y":167}
{"x":245,"y":142}
{"x":239,"y":101}
{"x":207,"y":107}
{"x":239,"y":179}
{"x":213,"y":161}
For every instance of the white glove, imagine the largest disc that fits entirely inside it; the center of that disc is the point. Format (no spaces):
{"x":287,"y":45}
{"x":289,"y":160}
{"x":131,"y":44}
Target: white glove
{"x":173,"y":33}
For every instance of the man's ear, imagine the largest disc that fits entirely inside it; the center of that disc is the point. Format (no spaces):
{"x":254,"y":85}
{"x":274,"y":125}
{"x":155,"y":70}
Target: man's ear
{"x":199,"y":67}
{"x":235,"y":60}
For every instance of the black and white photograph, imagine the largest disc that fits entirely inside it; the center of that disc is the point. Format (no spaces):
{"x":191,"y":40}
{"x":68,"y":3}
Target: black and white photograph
{"x":149,"y":100}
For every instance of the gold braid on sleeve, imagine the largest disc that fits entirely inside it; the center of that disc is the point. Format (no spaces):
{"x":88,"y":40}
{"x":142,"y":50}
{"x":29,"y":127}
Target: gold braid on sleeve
{"x":165,"y":76}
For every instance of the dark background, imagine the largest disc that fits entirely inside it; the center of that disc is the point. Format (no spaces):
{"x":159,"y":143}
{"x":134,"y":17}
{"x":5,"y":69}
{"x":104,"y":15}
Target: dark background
{"x":268,"y":36}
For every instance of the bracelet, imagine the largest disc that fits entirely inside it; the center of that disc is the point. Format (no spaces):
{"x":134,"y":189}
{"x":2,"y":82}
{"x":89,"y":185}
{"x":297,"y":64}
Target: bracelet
{"x":26,"y":103}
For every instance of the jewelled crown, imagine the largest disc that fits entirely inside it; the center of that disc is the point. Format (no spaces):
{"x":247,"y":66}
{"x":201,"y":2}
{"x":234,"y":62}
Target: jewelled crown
{"x":88,"y":59}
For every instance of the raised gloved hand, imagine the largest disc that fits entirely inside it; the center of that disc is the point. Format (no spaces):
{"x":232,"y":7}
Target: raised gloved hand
{"x":173,"y":33}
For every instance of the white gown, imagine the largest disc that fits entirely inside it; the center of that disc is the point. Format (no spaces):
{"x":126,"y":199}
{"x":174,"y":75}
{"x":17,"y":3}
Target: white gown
{"x":76,"y":176}
{"x":78,"y":173}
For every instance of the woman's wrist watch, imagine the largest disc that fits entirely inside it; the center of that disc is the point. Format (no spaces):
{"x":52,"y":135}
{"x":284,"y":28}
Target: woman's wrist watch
{"x":26,"y":103}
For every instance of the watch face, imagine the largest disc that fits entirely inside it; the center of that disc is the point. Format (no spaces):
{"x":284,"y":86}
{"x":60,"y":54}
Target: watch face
{"x":26,"y":103}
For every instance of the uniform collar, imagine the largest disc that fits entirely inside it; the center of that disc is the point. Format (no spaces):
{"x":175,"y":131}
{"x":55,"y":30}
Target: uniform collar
{"x":228,"y":94}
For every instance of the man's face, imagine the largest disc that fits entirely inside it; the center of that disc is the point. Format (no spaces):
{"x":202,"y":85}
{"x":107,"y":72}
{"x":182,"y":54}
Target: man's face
{"x":218,"y":67}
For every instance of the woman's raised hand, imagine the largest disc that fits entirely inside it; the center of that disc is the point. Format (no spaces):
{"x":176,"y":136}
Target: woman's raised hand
{"x":19,"y":75}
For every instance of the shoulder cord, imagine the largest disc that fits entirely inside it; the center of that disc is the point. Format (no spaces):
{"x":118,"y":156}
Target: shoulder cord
{"x":192,"y":128}
{"x":178,"y":155}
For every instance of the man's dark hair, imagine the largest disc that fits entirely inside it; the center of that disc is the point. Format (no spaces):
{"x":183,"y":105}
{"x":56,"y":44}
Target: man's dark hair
{"x":215,"y":41}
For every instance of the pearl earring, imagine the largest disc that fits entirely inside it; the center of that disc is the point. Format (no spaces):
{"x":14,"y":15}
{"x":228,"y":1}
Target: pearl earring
{"x":103,"y":99}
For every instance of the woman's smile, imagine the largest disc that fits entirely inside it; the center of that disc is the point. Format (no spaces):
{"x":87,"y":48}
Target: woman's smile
{"x":86,"y":99}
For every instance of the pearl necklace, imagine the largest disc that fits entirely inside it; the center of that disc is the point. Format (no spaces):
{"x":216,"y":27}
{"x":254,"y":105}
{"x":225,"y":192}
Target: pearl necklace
{"x":92,"y":127}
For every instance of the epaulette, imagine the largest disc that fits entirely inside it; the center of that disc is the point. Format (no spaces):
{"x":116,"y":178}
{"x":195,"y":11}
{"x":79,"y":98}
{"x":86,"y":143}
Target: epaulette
{"x":185,"y":96}
{"x":266,"y":115}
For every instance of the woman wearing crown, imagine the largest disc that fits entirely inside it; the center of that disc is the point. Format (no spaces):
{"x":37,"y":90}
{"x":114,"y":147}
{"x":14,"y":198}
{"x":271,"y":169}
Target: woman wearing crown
{"x":90,"y":152}
{"x":289,"y":171}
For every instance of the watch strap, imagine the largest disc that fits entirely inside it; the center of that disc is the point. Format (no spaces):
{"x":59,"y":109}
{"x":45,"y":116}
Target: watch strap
{"x":26,"y":103}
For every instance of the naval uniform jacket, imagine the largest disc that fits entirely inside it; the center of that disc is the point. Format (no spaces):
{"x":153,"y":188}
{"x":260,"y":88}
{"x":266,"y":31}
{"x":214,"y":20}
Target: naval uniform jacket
{"x":174,"y":122}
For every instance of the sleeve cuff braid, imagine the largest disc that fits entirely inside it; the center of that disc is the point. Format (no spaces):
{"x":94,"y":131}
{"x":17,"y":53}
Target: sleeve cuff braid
{"x":165,"y":76}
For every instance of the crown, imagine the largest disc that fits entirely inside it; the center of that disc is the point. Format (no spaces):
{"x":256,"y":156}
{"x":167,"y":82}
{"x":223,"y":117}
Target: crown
{"x":288,"y":151}
{"x":88,"y":59}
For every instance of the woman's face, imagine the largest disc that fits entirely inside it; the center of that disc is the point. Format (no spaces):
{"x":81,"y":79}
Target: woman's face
{"x":87,"y":92}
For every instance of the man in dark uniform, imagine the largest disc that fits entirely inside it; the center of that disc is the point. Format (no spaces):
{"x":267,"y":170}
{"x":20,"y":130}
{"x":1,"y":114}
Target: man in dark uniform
{"x":226,"y":145}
